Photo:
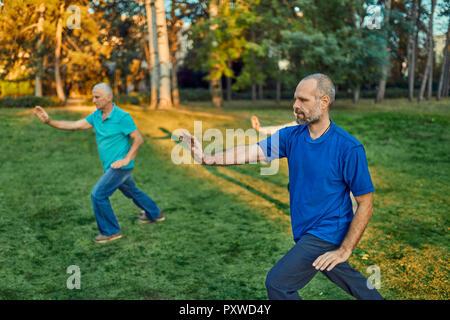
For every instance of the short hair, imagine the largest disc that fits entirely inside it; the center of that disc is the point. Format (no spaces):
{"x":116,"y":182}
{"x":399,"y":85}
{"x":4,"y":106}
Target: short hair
{"x":106,"y":87}
{"x":325,"y":86}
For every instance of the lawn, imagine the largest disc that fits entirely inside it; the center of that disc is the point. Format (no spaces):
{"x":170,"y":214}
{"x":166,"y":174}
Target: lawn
{"x":225,"y":227}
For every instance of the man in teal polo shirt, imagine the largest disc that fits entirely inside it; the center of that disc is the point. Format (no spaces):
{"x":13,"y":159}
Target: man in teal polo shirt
{"x":114,"y":128}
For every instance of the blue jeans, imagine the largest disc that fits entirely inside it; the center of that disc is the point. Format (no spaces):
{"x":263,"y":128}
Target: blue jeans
{"x":112,"y":180}
{"x":293,"y":271}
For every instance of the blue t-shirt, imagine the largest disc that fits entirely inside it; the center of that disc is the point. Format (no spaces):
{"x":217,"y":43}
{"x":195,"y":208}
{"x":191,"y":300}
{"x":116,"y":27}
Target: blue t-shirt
{"x":322,"y":172}
{"x":112,"y":135}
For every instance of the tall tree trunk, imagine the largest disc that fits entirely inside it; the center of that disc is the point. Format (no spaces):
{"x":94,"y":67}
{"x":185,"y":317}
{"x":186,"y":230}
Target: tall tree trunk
{"x":40,"y":67}
{"x":278,"y":91}
{"x":152,"y":55}
{"x":175,"y":91}
{"x":173,"y":32}
{"x":58,"y":80}
{"x":411,"y":51}
{"x":229,"y":92}
{"x":216,"y":83}
{"x":356,"y":93}
{"x":385,"y":67}
{"x":260,"y":92}
{"x":445,"y":68}
{"x":253,"y":91}
{"x":430,"y":73}
{"x":165,"y":99}
{"x":116,"y":80}
{"x":428,"y":68}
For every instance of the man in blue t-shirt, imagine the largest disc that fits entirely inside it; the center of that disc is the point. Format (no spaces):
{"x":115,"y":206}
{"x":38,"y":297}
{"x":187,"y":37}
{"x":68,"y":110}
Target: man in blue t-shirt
{"x":325,"y":164}
{"x":114,"y":129}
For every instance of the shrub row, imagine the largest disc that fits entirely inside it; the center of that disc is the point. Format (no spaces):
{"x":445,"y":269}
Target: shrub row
{"x":197,"y":94}
{"x":28,"y":102}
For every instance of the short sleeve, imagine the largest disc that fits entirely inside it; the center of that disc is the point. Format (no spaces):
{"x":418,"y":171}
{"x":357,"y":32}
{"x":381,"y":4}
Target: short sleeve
{"x":274,"y":147}
{"x":127,"y":125}
{"x":90,"y":118}
{"x":356,"y":172}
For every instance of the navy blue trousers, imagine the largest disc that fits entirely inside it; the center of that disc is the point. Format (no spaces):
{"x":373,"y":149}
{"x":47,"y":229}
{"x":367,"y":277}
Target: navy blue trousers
{"x":295,"y":270}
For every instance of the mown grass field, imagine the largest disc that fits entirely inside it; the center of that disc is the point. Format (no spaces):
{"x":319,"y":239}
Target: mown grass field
{"x":225,"y":227}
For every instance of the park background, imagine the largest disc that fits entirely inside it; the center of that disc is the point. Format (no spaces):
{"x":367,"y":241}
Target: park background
{"x":171,"y":63}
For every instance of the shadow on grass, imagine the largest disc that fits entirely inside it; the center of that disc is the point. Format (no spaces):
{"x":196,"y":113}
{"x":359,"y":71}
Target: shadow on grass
{"x":280,"y":205}
{"x":263,"y":179}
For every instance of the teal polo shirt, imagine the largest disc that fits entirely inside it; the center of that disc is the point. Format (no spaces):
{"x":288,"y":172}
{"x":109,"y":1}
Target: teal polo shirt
{"x":113,"y":135}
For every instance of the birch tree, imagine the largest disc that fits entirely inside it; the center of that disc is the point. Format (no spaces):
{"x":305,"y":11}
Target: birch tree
{"x":165,"y":100}
{"x":428,"y":72}
{"x":154,"y":75}
{"x":385,"y":66}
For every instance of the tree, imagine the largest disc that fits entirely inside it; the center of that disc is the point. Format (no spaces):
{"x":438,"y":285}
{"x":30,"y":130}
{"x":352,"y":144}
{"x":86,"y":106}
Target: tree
{"x":165,"y":100}
{"x":179,"y":10}
{"x":58,"y":38}
{"x":154,"y":75}
{"x":385,"y":66}
{"x":220,"y":40}
{"x":19,"y":36}
{"x":428,"y":72}
{"x":411,"y":49}
{"x":39,"y":45}
{"x":444,"y":79}
{"x":121,"y":32}
{"x":215,"y":74}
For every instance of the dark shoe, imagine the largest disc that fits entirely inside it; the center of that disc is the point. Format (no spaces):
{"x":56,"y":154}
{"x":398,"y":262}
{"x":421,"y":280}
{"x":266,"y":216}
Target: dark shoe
{"x":103,"y":239}
{"x":144,"y":219}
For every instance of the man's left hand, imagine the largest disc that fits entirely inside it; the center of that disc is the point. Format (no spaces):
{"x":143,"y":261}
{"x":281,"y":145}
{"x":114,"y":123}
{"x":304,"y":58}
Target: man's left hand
{"x":120,"y":163}
{"x":331,"y":258}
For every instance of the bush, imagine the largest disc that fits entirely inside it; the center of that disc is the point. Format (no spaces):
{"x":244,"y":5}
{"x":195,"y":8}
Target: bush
{"x":197,"y":94}
{"x":391,"y":93}
{"x":28,"y":102}
{"x":126,"y":99}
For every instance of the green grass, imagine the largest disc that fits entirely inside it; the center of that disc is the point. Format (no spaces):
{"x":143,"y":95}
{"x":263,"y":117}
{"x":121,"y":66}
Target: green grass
{"x":224,"y":228}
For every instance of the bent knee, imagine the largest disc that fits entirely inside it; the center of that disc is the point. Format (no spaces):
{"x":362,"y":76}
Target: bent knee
{"x":273,"y":279}
{"x":97,"y":195}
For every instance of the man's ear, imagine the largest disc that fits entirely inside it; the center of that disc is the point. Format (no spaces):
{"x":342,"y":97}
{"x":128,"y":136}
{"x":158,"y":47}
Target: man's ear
{"x":325,"y":101}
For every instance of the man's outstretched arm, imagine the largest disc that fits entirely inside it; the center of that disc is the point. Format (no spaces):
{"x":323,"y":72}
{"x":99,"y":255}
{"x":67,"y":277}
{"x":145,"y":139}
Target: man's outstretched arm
{"x":234,"y":156}
{"x":62,"y":125}
{"x":269,"y":129}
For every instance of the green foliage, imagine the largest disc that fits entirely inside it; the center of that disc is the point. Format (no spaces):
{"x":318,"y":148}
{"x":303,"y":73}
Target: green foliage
{"x":220,"y":39}
{"x":127,"y":99}
{"x":82,"y":54}
{"x":311,"y":53}
{"x":10,"y":88}
{"x":28,"y":102}
{"x":197,"y":94}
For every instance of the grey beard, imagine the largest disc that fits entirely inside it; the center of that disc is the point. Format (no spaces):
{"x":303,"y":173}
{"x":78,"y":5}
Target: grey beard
{"x":306,"y":121}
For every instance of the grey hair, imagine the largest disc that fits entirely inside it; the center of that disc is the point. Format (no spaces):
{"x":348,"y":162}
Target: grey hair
{"x":325,"y":86}
{"x":105,"y":87}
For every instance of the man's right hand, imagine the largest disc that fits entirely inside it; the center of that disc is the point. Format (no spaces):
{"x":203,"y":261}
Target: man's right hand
{"x":41,"y":114}
{"x":255,"y":123}
{"x":194,"y":145}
